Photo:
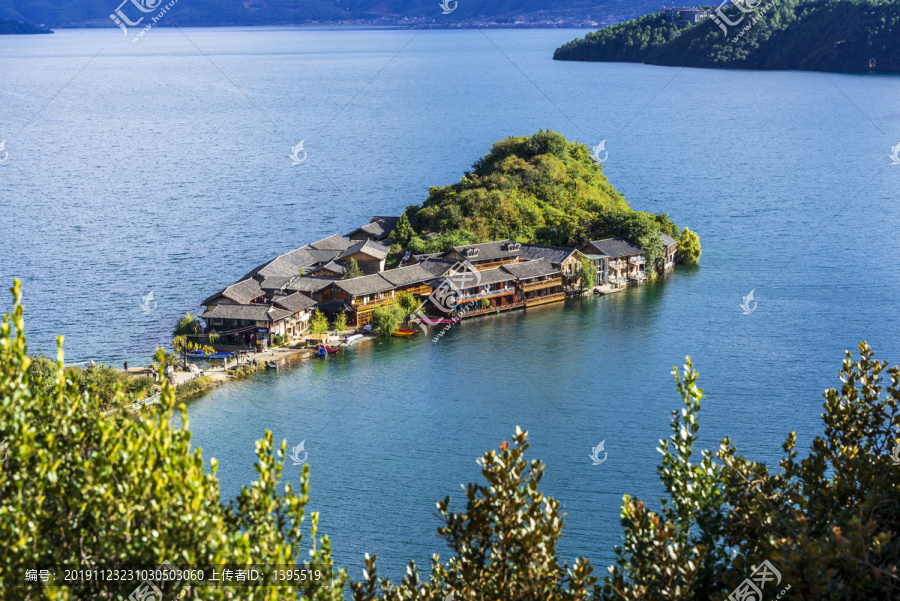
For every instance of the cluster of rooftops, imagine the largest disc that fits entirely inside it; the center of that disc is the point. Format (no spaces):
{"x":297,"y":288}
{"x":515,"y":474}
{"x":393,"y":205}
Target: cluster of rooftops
{"x":277,"y":297}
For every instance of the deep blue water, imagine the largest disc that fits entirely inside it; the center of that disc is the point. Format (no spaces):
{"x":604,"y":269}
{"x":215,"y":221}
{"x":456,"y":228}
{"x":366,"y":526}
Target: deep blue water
{"x":164,"y":166}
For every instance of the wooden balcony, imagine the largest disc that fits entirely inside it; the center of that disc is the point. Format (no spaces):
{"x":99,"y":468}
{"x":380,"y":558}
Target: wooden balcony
{"x":381,"y":302}
{"x":542,"y":284}
{"x":543,"y":300}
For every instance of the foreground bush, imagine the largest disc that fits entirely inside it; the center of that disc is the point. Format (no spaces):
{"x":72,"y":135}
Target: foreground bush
{"x":504,"y":543}
{"x":84,"y":490}
{"x":829,"y":523}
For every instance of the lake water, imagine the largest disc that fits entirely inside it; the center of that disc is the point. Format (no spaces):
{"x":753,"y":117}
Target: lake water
{"x":163,"y":166}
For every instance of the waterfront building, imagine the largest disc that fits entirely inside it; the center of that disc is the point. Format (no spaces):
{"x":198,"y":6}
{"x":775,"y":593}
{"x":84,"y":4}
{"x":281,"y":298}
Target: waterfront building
{"x":487,"y":255}
{"x":671,"y":245}
{"x":282,"y":286}
{"x":566,"y":260}
{"x":359,"y":297}
{"x":377,"y":230}
{"x":685,"y":15}
{"x":626,"y":260}
{"x":370,"y":256}
{"x":249,"y":324}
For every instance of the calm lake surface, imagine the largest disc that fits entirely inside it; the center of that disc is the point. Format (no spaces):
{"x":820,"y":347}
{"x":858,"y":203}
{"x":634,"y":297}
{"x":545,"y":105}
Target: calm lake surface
{"x":163,"y":166}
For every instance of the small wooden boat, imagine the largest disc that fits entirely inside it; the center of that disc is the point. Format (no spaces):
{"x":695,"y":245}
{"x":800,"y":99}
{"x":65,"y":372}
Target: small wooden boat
{"x":271,"y":365}
{"x":351,"y":339}
{"x":405,"y":333}
{"x":328,"y":350}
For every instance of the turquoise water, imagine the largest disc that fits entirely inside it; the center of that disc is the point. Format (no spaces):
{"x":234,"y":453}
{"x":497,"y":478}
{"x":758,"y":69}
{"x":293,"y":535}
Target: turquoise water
{"x":155,"y":167}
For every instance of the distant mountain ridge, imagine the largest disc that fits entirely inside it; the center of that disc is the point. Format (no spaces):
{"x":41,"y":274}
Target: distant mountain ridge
{"x":271,"y":12}
{"x":813,"y":35}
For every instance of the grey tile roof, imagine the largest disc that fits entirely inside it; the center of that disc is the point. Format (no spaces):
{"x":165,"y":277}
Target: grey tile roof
{"x":286,"y":265}
{"x":379,"y":251}
{"x":295,"y":283}
{"x":308,"y":285}
{"x":333,"y":242}
{"x":554,"y":254}
{"x":668,"y":240}
{"x":531,"y":269}
{"x":248,"y":312}
{"x":467,"y":279}
{"x":330,"y":266}
{"x":294,"y":303}
{"x":614,"y":247}
{"x":241,"y":293}
{"x":489,"y":251}
{"x":379,"y":228}
{"x":364,"y":285}
{"x":406,"y":276}
{"x":437,"y":267}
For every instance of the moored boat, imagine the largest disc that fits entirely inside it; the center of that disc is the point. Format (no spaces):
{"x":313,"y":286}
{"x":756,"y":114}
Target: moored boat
{"x":404,"y":333}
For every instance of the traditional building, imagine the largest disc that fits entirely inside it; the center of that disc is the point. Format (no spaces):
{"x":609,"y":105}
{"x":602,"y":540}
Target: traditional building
{"x":538,"y":282}
{"x":377,"y":230}
{"x":684,"y":15}
{"x":282,"y":286}
{"x":626,"y":260}
{"x":566,"y":260}
{"x":245,"y":292}
{"x":361,"y":296}
{"x":671,"y":245}
{"x":487,"y":255}
{"x":249,"y":324}
{"x":370,"y":256}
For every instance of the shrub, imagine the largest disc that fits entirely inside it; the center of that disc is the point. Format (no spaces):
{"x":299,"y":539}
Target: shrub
{"x":828,"y":523}
{"x":688,"y":250}
{"x":81,"y":489}
{"x":503,"y":543}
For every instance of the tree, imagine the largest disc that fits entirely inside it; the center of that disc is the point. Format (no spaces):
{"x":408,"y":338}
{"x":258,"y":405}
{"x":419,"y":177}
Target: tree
{"x":340,"y":322}
{"x":352,"y":270}
{"x":187,"y":326}
{"x":503,"y":544}
{"x":403,"y":232}
{"x":688,"y":250}
{"x":134,"y":491}
{"x":319,"y":323}
{"x":409,"y":304}
{"x":184,"y":346}
{"x":387,"y":319}
{"x":587,"y":273}
{"x":667,"y":227}
{"x":827,"y":522}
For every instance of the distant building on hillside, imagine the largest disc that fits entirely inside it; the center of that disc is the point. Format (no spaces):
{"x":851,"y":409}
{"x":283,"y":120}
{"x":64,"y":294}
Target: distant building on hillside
{"x":684,"y":15}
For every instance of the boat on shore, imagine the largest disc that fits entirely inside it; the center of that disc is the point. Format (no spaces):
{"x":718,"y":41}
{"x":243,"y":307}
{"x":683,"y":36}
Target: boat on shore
{"x":271,"y":365}
{"x":404,"y":333}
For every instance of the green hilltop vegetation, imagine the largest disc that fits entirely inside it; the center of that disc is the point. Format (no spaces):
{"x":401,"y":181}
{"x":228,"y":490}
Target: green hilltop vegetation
{"x":813,"y":35}
{"x":538,"y":189}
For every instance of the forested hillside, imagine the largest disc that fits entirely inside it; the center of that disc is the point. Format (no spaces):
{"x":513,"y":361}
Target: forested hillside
{"x":262,"y":12}
{"x":816,"y":35}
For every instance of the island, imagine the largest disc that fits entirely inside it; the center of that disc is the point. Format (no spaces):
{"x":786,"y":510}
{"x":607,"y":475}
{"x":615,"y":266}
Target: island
{"x":13,"y":27}
{"x":842,"y":36}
